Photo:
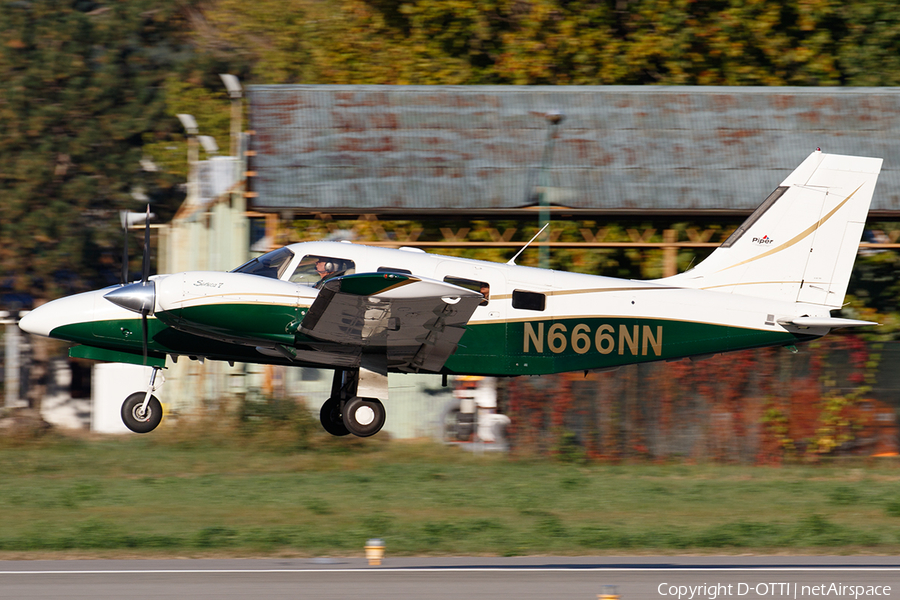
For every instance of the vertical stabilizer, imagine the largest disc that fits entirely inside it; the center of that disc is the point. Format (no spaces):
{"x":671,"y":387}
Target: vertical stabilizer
{"x":800,"y":244}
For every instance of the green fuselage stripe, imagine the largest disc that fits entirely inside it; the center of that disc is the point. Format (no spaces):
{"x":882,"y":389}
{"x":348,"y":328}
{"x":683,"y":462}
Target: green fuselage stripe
{"x":584,"y":343}
{"x":518,"y":347}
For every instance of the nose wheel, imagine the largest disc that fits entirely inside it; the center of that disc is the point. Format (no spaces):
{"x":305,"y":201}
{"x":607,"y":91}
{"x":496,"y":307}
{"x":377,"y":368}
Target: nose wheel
{"x":142,"y":411}
{"x":140,"y":418}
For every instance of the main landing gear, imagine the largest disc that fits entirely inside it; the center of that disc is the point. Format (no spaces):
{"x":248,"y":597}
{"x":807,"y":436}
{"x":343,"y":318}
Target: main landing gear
{"x":141,"y":411}
{"x":350,"y":409}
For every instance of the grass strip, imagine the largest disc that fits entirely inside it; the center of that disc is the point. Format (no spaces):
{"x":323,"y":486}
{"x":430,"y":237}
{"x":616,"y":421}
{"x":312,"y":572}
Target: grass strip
{"x":182,"y":495}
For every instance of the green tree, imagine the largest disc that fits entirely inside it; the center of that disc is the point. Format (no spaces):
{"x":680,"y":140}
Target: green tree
{"x":868,"y":50}
{"x":575,"y":42}
{"x":89,"y":89}
{"x":82,"y":88}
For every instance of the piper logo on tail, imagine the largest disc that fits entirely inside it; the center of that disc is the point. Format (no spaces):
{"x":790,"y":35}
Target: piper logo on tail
{"x":763,"y":241}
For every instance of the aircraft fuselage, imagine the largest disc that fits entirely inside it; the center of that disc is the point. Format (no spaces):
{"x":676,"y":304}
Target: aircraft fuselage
{"x":533,"y":321}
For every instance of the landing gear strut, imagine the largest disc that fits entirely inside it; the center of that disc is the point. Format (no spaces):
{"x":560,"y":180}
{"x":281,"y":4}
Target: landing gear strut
{"x":142,"y":411}
{"x":347,"y":410}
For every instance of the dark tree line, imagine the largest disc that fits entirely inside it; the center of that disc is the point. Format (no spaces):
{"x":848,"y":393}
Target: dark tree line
{"x":89,"y":90}
{"x":82,"y":92}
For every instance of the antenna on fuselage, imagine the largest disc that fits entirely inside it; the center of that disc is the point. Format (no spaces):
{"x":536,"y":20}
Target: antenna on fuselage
{"x":512,"y":261}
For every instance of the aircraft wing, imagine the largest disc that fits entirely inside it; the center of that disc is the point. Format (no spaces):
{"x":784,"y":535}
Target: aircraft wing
{"x":418,"y":322}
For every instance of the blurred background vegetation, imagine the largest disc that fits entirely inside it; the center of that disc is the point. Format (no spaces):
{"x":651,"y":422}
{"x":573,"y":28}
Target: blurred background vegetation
{"x":89,"y":90}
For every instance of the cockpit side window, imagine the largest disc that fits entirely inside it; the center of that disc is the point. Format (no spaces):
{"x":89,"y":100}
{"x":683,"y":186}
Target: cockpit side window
{"x":315,"y":268}
{"x":470,"y":284}
{"x":272,"y":264}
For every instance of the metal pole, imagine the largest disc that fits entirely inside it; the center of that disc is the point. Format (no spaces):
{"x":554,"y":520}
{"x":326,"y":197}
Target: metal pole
{"x":236,"y":93}
{"x":11,"y":362}
{"x":193,"y":156}
{"x":235,"y":125}
{"x":193,"y":176}
{"x":554,"y":118}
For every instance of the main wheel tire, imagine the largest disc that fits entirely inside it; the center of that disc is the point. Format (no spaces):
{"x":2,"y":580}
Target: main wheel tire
{"x":364,"y":416}
{"x":132,"y":417}
{"x":330,"y":417}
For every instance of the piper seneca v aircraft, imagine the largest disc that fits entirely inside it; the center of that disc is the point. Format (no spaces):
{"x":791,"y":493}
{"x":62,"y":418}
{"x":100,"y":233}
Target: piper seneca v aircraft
{"x":366,"y":312}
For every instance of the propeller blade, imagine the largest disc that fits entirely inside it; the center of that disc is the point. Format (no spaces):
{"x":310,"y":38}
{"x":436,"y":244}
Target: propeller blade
{"x":145,"y":271}
{"x":144,"y":335}
{"x":125,"y":256}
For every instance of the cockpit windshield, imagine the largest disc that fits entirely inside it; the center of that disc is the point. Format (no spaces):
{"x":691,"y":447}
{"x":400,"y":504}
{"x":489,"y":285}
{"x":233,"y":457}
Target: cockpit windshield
{"x":272,"y":264}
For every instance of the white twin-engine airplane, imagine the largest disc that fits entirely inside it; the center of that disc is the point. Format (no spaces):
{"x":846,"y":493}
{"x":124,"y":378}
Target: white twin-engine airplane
{"x":366,"y":312}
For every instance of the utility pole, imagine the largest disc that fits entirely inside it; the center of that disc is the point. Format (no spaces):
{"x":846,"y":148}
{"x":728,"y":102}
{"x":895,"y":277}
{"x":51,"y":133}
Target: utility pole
{"x":190,"y":125}
{"x":235,"y":92}
{"x":554,"y":118}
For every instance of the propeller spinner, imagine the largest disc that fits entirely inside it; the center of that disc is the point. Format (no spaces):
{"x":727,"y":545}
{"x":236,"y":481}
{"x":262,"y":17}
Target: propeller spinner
{"x":139,"y":297}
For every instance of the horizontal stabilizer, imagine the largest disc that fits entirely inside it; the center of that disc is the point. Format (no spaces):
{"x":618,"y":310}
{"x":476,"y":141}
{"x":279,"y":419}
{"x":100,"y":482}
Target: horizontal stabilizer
{"x":831,"y":322}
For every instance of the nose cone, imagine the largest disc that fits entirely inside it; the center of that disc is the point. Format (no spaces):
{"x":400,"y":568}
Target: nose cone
{"x":58,"y":313}
{"x":136,"y":297}
{"x":36,"y":322}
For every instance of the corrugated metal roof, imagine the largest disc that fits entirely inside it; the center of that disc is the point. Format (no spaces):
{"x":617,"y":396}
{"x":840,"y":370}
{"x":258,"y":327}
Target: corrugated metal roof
{"x":328,"y":148}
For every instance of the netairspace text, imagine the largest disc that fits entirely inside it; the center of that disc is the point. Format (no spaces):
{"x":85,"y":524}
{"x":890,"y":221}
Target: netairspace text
{"x":712,"y":591}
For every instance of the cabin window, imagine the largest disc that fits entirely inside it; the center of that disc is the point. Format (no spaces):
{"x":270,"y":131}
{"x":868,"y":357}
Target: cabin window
{"x":757,"y":214}
{"x":482,"y":287}
{"x":528,"y":300}
{"x":393,"y":270}
{"x":316,"y":268}
{"x":272,"y":264}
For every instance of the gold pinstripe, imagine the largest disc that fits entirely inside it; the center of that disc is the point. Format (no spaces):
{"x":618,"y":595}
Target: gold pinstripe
{"x":590,"y":291}
{"x":241,"y":298}
{"x":627,"y":317}
{"x":720,"y":285}
{"x":802,"y":235}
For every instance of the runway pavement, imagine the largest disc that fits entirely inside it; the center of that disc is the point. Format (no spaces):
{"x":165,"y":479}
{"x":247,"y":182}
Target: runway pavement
{"x":456,"y":578}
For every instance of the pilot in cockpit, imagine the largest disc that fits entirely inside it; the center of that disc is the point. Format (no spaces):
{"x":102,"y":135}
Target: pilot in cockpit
{"x":314,"y":270}
{"x":325,"y":267}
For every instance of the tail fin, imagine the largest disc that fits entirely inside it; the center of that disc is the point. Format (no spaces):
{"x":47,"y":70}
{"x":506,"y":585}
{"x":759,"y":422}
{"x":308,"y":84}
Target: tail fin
{"x":800,"y":244}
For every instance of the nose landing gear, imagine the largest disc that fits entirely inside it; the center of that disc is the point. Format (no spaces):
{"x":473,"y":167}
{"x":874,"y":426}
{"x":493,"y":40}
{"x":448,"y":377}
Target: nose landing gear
{"x":142,"y":411}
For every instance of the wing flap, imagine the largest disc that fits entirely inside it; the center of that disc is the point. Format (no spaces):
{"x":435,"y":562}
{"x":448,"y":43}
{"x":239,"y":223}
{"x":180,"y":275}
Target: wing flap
{"x":417,"y":321}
